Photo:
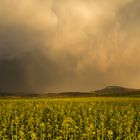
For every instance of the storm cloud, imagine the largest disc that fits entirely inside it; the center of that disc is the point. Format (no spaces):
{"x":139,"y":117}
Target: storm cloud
{"x":73,"y":45}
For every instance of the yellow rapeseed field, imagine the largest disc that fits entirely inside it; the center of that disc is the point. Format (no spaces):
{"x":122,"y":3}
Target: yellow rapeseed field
{"x":70,"y":119}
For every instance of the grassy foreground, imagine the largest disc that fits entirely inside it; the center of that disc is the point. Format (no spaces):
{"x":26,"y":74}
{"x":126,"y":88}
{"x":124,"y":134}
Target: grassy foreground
{"x":70,"y":119}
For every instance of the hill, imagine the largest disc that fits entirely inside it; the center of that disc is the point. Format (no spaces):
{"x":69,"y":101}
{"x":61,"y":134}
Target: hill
{"x":117,"y":91}
{"x":43,"y":95}
{"x":110,"y":91}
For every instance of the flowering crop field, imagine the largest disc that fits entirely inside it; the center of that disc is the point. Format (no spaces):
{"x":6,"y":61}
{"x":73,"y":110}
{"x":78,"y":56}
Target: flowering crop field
{"x":70,"y":119}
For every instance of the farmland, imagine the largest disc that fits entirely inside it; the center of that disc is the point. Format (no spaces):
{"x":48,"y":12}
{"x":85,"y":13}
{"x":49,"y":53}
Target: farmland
{"x":99,"y":118}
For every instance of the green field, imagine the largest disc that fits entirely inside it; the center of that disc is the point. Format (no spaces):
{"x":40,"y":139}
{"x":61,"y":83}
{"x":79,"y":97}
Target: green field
{"x":70,"y":119}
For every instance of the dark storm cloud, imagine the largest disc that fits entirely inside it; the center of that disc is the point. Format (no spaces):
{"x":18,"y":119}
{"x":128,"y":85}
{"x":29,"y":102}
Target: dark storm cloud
{"x":50,"y":45}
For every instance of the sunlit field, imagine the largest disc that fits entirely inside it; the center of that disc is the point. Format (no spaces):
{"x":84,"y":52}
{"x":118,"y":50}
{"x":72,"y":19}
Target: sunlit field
{"x":70,"y":119}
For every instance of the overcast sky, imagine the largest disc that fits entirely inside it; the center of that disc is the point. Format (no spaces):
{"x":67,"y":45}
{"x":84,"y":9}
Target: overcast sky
{"x":69,"y":45}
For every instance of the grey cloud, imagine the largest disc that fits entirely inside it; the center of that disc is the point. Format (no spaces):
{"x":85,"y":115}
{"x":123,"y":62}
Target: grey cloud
{"x":50,"y":45}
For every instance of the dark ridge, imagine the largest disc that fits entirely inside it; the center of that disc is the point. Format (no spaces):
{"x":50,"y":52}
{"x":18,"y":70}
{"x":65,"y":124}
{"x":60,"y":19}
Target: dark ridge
{"x":53,"y":95}
{"x":117,"y":91}
{"x":71,"y":94}
{"x":110,"y":91}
